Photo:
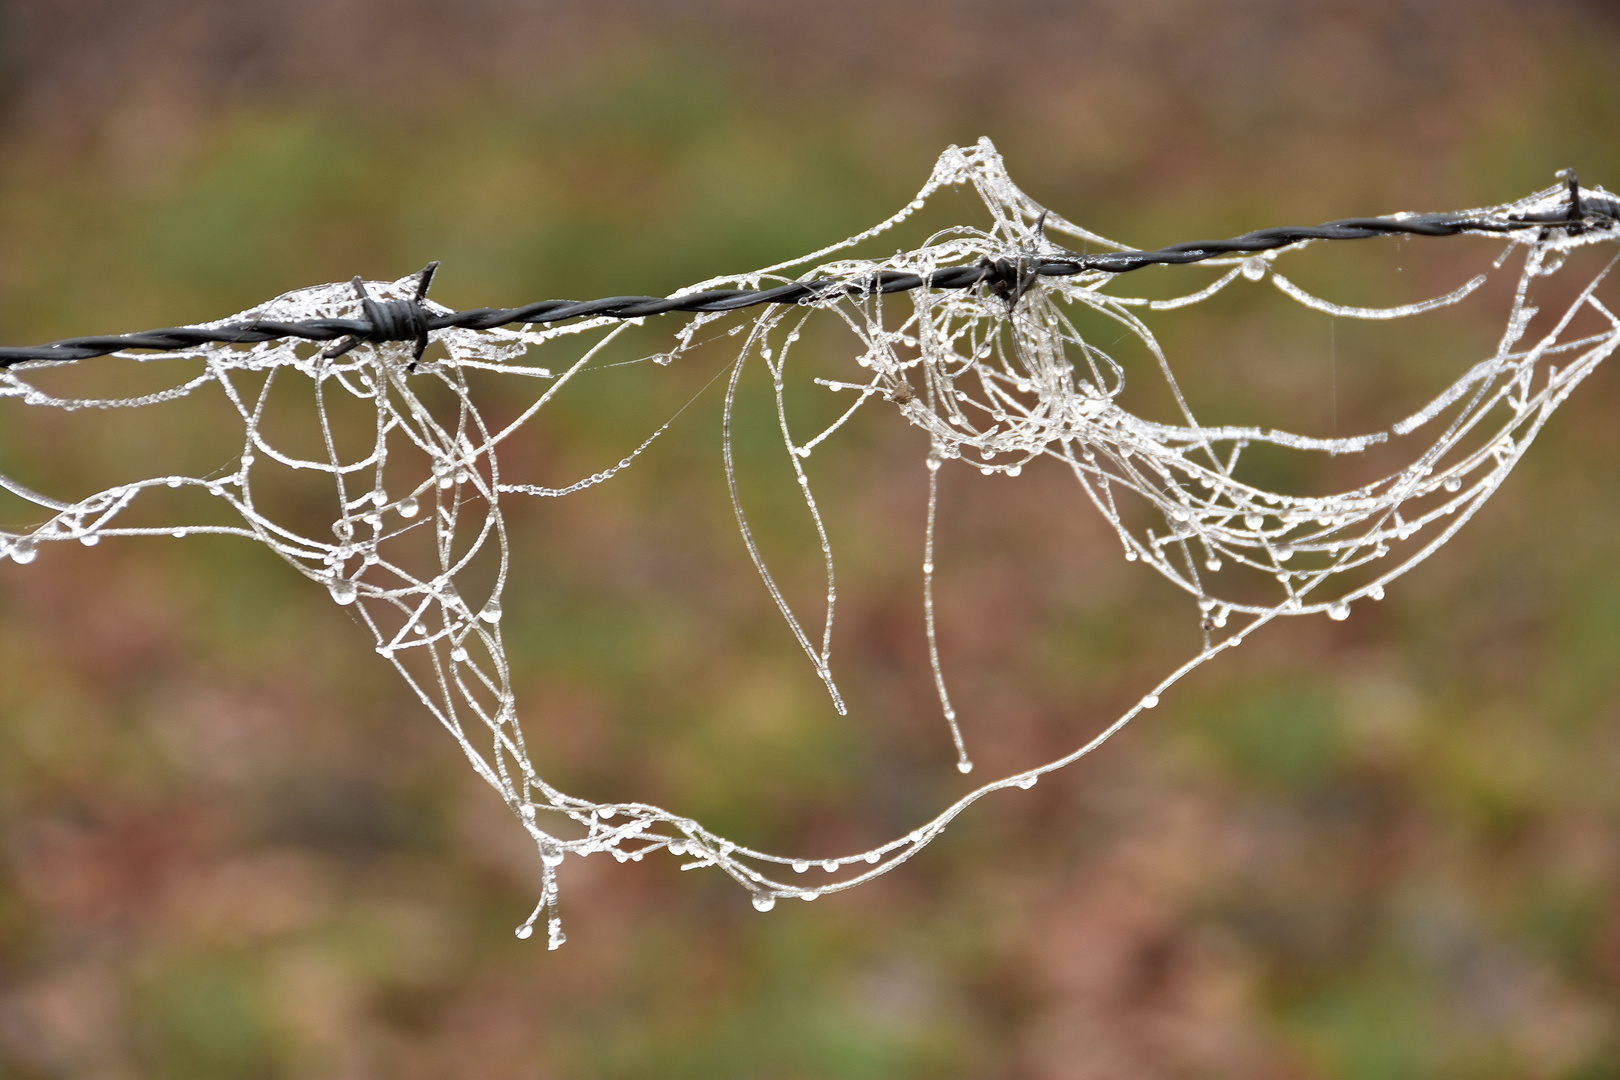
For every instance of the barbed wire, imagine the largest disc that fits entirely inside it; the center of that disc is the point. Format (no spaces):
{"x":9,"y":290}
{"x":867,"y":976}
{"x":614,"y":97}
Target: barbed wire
{"x":410,"y":319}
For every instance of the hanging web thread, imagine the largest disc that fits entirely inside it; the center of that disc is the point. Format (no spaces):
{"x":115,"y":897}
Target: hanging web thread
{"x":996,"y":378}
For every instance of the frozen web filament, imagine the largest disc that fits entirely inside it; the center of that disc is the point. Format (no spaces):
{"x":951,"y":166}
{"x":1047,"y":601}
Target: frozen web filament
{"x":996,"y":376}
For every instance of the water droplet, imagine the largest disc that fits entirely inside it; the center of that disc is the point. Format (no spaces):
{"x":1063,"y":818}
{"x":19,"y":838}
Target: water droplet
{"x":1254,"y":521}
{"x":802,"y":451}
{"x":1254,"y":269}
{"x":173,"y":481}
{"x":872,"y":856}
{"x":525,"y":932}
{"x":492,"y":611}
{"x":1213,"y":564}
{"x":408,"y":507}
{"x":1376,"y":592}
{"x":461,"y":476}
{"x":1151,"y":701}
{"x":800,"y":867}
{"x":1453,"y":483}
{"x":807,"y":896}
{"x":830,"y":866}
{"x":343,"y":591}
{"x":552,"y":857}
{"x":928,"y":568}
{"x":1285,"y":553}
{"x":24,"y":551}
{"x":964,"y":767}
{"x":933,"y":463}
{"x":90,"y":539}
{"x":604,"y":812}
{"x":178,"y":534}
{"x":1014,"y":470}
{"x":1130,"y":555}
{"x":1338,"y":612}
{"x":764,"y":901}
{"x":445,"y":482}
{"x":677,"y":847}
{"x":1028,"y":782}
{"x":458,"y":654}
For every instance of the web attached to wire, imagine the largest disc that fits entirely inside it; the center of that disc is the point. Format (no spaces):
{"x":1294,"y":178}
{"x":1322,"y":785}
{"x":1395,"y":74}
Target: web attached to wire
{"x":995,"y":377}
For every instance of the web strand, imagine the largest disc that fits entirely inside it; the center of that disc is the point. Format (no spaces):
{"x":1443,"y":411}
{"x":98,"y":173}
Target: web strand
{"x":981,"y":351}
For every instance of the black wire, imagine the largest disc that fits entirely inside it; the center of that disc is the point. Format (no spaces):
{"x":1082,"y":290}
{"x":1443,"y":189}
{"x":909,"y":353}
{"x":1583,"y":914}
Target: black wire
{"x":404,"y":320}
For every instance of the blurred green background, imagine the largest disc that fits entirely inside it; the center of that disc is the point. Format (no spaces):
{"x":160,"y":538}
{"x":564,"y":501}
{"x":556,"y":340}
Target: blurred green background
{"x":232,"y":846}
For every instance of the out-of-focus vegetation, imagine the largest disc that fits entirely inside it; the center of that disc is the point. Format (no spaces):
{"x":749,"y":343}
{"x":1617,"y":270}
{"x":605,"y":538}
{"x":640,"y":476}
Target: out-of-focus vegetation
{"x":232,"y":846}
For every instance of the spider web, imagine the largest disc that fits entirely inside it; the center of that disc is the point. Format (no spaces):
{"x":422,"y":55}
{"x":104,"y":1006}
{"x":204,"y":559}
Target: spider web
{"x":994,"y":381}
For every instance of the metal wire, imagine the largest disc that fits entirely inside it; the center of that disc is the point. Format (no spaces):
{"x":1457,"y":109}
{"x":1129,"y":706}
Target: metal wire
{"x":409,"y":320}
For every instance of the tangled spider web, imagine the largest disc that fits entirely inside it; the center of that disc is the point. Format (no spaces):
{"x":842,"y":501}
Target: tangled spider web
{"x":996,"y":378}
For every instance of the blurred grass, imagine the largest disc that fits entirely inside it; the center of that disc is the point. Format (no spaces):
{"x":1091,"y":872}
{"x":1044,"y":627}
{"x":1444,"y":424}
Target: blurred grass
{"x":234,"y":847}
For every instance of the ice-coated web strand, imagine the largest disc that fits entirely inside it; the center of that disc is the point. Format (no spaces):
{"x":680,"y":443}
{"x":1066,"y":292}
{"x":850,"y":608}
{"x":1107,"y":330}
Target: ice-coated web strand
{"x":418,"y":548}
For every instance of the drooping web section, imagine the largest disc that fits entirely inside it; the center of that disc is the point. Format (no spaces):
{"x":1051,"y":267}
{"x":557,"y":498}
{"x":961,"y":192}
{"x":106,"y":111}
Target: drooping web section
{"x":413,"y":462}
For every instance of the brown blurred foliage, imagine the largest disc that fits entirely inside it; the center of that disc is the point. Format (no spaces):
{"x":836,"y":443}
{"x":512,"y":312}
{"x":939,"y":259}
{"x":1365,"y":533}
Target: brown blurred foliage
{"x":232,"y":846}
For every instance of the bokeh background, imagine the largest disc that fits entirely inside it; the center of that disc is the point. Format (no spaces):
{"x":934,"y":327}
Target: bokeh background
{"x":232,"y":846}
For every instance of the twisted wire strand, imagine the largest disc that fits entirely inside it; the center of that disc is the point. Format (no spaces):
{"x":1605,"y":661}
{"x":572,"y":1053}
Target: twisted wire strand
{"x":408,"y":320}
